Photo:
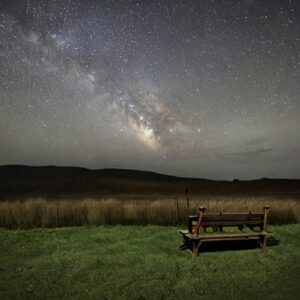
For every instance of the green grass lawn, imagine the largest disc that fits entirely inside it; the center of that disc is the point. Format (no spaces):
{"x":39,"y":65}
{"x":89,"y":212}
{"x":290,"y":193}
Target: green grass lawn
{"x":142,"y":262}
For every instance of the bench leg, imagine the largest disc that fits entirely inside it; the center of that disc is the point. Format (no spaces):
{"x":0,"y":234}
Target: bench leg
{"x":263,"y":243}
{"x":196,"y":246}
{"x":264,"y":247}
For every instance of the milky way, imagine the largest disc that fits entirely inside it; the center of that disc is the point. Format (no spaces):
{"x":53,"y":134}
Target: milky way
{"x":192,"y":88}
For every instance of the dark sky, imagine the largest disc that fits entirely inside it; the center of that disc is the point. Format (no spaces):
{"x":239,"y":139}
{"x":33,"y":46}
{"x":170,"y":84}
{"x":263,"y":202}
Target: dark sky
{"x":192,"y":88}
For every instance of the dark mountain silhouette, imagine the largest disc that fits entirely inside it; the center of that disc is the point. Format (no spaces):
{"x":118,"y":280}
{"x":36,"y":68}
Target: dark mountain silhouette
{"x":52,"y":182}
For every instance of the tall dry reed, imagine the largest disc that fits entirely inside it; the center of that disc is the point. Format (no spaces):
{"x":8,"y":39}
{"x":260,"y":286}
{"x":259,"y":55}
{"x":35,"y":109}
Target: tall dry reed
{"x":49,"y":213}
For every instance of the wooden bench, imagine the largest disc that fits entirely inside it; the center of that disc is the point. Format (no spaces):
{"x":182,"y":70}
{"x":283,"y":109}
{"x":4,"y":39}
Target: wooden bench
{"x":252,"y":226}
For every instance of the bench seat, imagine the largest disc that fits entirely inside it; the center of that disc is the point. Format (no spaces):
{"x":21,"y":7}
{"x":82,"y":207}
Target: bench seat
{"x":224,"y":236}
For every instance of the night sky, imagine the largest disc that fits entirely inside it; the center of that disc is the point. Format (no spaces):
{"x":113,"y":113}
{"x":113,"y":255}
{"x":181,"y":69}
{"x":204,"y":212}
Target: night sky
{"x":191,"y":88}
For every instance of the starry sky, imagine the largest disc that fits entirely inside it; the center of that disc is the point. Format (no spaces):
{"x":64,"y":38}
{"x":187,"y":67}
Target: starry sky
{"x":205,"y":89}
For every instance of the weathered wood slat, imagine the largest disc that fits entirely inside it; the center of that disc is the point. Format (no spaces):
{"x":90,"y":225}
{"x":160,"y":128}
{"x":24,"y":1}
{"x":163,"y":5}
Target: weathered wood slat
{"x":241,"y":217}
{"x":246,"y":238}
{"x":233,"y":217}
{"x":228,"y":223}
{"x":183,"y":231}
{"x":210,"y":236}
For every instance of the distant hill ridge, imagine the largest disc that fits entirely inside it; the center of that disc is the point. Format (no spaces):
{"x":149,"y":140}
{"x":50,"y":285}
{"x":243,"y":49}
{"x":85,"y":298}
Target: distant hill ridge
{"x":50,"y":171}
{"x":53,"y":181}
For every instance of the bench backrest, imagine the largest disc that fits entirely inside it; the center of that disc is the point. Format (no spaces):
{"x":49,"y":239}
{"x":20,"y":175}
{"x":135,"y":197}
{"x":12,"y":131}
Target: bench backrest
{"x":250,"y":219}
{"x":227,"y":220}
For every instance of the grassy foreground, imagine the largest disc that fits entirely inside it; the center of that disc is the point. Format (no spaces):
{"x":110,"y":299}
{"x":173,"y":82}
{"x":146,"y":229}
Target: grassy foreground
{"x":141,"y":262}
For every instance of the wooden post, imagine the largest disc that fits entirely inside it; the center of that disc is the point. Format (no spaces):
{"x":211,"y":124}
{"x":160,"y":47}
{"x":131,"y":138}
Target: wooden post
{"x":178,"y":219}
{"x":266,"y":211}
{"x":200,"y":218}
{"x":264,"y":242}
{"x":186,"y":190}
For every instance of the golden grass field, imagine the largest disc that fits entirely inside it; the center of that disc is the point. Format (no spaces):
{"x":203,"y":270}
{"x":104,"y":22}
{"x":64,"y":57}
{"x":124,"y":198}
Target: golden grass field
{"x":68,"y":212}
